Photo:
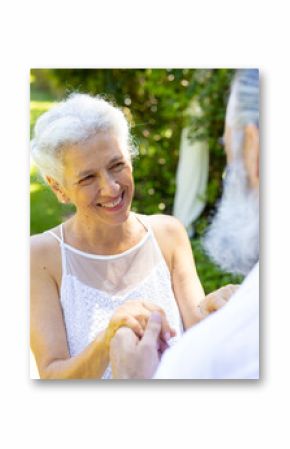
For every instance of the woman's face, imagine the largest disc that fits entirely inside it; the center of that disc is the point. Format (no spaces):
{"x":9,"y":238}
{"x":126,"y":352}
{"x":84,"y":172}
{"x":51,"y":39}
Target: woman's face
{"x":98,"y":179}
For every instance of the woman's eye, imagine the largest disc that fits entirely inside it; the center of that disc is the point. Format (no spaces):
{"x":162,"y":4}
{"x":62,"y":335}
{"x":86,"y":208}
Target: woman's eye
{"x":87,"y":179}
{"x":117,"y":166}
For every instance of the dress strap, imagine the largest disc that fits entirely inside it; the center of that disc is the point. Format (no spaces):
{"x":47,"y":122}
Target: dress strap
{"x":144,"y":222}
{"x":55,"y":236}
{"x":61,"y":232}
{"x":61,"y":241}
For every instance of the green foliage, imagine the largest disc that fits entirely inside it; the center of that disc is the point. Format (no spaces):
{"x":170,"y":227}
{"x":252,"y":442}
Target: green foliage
{"x":46,"y":211}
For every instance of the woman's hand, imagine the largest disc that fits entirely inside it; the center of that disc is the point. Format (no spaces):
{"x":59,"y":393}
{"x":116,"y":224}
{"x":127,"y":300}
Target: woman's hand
{"x":134,"y":358}
{"x":134,"y":314}
{"x":217,"y":299}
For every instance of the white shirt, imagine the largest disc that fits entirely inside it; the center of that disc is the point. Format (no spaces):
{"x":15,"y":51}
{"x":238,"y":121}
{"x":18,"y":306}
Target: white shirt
{"x":225,"y":345}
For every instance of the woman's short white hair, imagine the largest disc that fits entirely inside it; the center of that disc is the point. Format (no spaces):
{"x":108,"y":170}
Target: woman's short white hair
{"x":73,"y":121}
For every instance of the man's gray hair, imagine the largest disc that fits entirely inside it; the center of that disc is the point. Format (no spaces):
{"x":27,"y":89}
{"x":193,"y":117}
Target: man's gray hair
{"x":232,"y":240}
{"x":73,"y":121}
{"x":243,"y":105}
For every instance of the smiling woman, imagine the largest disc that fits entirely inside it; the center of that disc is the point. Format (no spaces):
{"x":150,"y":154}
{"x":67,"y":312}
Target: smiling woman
{"x":98,"y":179}
{"x":105,"y":267}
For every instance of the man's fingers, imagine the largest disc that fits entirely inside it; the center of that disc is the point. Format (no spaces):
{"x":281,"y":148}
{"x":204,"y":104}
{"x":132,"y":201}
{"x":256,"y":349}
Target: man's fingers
{"x":163,"y":345}
{"x":124,"y":337}
{"x":167,"y":330}
{"x":153,"y":328}
{"x":122,"y":345}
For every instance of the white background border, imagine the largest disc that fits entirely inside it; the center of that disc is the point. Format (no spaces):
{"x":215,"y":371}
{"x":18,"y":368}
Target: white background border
{"x":138,"y":34}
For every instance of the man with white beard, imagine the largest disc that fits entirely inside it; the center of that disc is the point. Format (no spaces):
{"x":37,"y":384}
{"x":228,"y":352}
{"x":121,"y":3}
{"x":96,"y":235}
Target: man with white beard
{"x":226,"y":344}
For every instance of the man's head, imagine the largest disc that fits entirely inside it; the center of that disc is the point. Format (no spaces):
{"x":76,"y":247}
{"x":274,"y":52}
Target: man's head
{"x":232,"y":240}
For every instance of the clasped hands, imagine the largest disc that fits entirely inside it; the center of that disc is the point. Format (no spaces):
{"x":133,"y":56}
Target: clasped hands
{"x":134,"y":315}
{"x":137,"y":346}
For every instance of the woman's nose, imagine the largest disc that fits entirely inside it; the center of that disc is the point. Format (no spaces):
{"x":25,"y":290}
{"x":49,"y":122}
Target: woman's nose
{"x":108,"y":185}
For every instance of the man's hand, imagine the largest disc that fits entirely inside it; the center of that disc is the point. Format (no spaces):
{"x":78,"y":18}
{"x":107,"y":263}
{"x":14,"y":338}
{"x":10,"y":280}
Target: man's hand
{"x":132,"y":358}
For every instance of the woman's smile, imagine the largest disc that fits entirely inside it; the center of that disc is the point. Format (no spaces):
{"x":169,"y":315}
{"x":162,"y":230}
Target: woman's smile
{"x":115,"y":204}
{"x":99,"y":179}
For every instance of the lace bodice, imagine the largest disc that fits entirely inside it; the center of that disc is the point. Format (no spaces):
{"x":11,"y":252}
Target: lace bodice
{"x":94,"y":286}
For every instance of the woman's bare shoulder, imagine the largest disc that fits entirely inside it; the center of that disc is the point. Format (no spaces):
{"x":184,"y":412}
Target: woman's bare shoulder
{"x":45,"y":257}
{"x":43,"y":245}
{"x":168,"y":232}
{"x":165,"y":224}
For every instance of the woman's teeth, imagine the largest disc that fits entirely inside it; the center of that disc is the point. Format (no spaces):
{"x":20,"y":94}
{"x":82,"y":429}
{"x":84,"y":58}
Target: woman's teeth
{"x":112,"y":203}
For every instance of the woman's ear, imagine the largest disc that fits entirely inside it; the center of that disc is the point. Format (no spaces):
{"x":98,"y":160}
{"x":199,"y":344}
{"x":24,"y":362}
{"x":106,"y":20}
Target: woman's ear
{"x":57,"y":189}
{"x":251,"y":154}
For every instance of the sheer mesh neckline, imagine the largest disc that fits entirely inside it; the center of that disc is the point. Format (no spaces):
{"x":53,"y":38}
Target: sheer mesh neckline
{"x":111,"y":256}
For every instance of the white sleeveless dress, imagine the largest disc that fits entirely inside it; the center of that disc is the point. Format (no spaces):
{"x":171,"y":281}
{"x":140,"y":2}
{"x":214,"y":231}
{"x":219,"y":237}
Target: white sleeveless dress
{"x":93,"y":286}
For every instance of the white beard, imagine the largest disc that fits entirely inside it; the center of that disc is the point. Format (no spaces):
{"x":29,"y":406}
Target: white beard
{"x":232,"y":239}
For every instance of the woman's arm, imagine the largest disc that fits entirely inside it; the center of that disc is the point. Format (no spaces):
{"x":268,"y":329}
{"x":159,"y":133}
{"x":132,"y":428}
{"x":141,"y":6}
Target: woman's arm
{"x":175,"y":245}
{"x":186,"y":284}
{"x":48,"y":334}
{"x":176,"y":249}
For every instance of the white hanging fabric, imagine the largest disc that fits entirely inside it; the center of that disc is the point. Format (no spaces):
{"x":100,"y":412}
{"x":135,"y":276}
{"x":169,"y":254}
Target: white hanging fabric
{"x":191,"y":177}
